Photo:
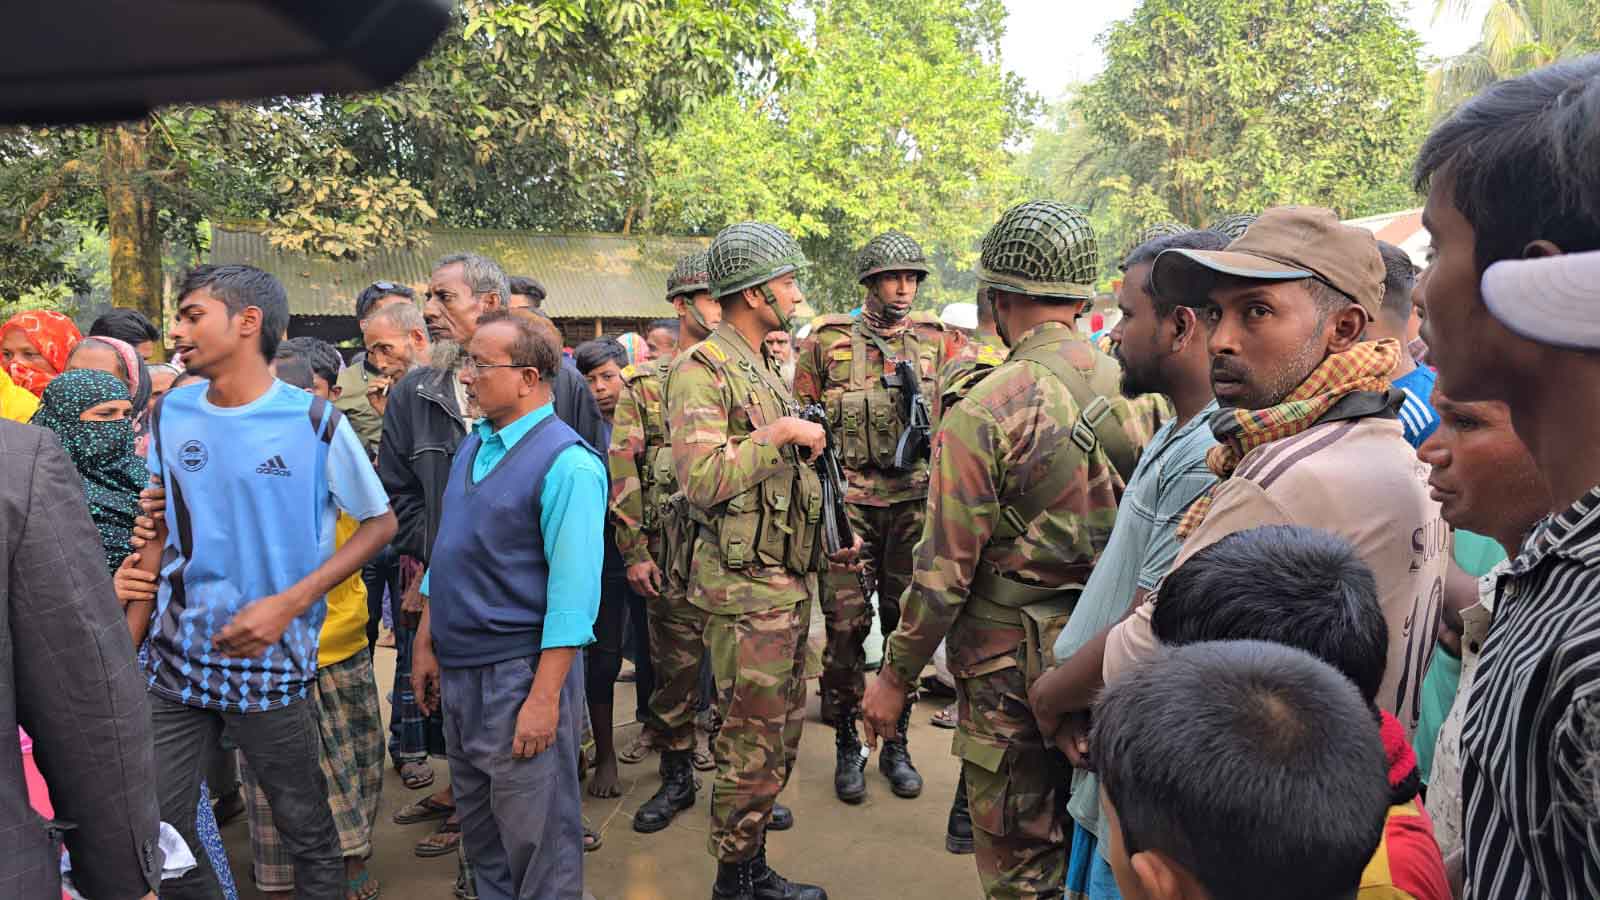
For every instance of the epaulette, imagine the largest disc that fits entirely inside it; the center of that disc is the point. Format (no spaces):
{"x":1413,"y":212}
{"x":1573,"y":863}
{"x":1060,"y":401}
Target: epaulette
{"x":829,"y":319}
{"x":989,"y":356}
{"x":709,"y":352}
{"x":924,"y":317}
{"x":630,"y":372}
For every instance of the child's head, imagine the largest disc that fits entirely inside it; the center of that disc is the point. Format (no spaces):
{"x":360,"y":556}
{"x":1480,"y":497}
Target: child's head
{"x":1238,"y":769}
{"x":323,"y":360}
{"x":1282,"y":583}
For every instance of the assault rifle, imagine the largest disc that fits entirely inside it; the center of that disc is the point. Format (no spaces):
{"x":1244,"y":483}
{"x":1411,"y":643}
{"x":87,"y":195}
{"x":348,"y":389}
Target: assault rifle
{"x":915,"y":442}
{"x":836,"y":532}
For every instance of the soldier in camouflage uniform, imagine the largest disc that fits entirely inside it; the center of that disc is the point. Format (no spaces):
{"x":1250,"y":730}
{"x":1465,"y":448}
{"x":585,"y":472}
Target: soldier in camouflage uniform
{"x":739,"y":452}
{"x":1022,"y":498}
{"x":653,"y":535}
{"x":842,"y":366}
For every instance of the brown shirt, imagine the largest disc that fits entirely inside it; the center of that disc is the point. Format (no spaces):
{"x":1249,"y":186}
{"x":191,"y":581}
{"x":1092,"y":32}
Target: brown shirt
{"x":1359,"y":479}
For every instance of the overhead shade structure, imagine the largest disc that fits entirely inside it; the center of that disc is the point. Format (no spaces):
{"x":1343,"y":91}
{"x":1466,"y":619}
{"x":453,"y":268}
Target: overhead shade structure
{"x":93,"y":60}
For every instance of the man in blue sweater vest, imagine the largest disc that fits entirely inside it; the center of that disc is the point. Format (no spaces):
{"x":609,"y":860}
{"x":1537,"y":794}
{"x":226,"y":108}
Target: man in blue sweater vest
{"x":513,"y":587}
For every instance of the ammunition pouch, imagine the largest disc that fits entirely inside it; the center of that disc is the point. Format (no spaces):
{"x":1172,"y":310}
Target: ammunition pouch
{"x":772,"y":524}
{"x":677,"y":542}
{"x":659,"y":483}
{"x":1041,"y":612}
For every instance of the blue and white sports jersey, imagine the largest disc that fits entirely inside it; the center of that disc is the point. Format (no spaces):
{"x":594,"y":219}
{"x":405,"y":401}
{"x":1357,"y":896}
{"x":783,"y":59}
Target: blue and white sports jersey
{"x":1416,"y":413}
{"x":253,"y":495}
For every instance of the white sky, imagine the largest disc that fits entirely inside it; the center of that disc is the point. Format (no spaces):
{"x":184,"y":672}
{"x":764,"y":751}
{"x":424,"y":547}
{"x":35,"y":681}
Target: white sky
{"x":1050,"y":43}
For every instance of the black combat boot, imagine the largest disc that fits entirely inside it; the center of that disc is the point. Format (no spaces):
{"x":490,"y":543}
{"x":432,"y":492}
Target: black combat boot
{"x":894,"y":761}
{"x":850,"y":764}
{"x":675,"y":796}
{"x":958,"y":833}
{"x":769,"y":885}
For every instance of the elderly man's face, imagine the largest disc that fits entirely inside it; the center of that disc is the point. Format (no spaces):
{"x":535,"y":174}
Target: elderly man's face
{"x":779,"y":346}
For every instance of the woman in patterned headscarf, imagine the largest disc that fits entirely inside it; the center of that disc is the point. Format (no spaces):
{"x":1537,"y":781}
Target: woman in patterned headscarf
{"x":34,"y":347}
{"x":120,"y":359}
{"x":89,"y":411}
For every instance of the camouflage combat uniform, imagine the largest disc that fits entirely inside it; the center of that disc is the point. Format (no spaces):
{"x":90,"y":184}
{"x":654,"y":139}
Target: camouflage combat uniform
{"x":1022,"y":499}
{"x":841,"y":366}
{"x":757,"y":510}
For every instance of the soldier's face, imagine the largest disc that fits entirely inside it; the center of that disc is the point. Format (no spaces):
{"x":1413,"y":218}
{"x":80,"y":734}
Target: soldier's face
{"x":894,"y":292}
{"x":786,"y":288}
{"x":1265,"y":338}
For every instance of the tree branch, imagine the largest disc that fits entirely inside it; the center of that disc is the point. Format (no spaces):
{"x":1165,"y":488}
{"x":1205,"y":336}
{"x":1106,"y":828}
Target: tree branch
{"x":70,"y":168}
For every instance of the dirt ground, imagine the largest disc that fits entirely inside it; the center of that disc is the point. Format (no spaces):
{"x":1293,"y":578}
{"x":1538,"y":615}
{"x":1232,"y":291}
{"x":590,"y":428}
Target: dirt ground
{"x":886,"y":847}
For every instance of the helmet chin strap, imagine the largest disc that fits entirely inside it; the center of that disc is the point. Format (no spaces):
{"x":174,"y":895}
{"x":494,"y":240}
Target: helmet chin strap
{"x":695,"y":314}
{"x":785,"y":320}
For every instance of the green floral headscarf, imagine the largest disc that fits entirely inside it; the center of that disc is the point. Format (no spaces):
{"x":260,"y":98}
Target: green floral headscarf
{"x":102,"y":452}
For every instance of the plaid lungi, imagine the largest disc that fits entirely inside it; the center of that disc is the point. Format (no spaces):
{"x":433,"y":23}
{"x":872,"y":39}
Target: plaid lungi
{"x":351,"y":725}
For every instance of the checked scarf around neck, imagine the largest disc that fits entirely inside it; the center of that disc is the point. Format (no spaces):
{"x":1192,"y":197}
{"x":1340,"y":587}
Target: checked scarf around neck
{"x":1364,"y":367}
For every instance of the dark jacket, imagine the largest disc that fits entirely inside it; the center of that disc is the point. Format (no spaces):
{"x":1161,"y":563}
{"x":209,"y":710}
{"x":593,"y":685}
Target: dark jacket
{"x":422,"y":427}
{"x":68,"y":675}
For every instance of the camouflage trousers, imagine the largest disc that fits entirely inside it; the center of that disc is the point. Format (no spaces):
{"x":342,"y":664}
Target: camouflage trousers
{"x":758,"y":661}
{"x":887,"y":535}
{"x":1017,"y":788}
{"x":677,"y":644}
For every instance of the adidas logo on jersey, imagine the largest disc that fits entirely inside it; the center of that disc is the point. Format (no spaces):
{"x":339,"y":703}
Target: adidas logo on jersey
{"x":274,"y":466}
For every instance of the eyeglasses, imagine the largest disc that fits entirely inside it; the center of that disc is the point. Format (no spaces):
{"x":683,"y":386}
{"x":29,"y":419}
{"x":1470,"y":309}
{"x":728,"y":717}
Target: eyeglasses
{"x":473,"y":366}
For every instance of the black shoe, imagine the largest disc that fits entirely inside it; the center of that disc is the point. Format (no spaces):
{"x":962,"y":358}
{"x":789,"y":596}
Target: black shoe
{"x":675,"y":795}
{"x":894,"y":761}
{"x":755,"y":880}
{"x":958,"y":833}
{"x":782,"y":818}
{"x":850,"y":761}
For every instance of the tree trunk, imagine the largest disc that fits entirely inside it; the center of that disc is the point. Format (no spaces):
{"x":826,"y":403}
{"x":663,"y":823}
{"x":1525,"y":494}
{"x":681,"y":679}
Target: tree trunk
{"x":134,"y":233}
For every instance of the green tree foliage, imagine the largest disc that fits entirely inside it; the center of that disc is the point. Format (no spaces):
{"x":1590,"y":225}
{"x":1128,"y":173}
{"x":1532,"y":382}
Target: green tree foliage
{"x":894,"y":114}
{"x":1207,"y":107}
{"x":1518,"y":36}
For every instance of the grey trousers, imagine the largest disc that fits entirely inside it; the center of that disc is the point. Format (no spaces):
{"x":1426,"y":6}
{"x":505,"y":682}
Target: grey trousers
{"x":283,"y":747}
{"x":521,"y":819}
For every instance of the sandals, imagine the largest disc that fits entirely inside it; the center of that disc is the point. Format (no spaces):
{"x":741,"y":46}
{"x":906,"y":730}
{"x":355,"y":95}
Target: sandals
{"x":591,"y":839}
{"x":643,"y":745}
{"x":416,"y":775}
{"x":441,"y":843}
{"x":362,"y":887}
{"x":425,"y":810}
{"x":944,"y":718}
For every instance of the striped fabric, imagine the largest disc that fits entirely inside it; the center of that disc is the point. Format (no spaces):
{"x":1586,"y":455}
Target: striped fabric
{"x":1531,"y":743}
{"x":1364,"y":367}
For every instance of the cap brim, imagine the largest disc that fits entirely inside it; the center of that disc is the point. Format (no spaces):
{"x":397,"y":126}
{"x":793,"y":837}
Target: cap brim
{"x":1187,"y":276}
{"x":1552,"y":300}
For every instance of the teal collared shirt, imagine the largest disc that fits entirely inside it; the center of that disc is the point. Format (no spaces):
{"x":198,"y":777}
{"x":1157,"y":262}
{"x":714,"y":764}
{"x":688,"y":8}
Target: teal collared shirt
{"x":572,"y":512}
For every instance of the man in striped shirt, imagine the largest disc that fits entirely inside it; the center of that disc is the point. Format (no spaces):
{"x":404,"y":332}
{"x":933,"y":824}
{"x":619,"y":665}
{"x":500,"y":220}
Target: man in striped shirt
{"x":1511,"y":176}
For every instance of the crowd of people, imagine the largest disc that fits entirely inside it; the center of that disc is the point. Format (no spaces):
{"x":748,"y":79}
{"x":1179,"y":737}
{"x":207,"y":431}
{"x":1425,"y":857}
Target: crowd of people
{"x":1285,"y":585}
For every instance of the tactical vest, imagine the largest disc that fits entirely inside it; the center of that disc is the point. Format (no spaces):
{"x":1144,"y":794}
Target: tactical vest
{"x":867,"y":417}
{"x":658,"y":480}
{"x":777,"y":522}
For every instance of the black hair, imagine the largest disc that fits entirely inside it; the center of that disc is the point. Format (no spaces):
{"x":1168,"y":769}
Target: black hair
{"x":529,"y":347}
{"x":1254,"y":766}
{"x":238,"y":287}
{"x":1520,"y":158}
{"x":378,"y":290}
{"x":294,"y":368}
{"x":591,"y":355}
{"x":670,"y":325}
{"x":1149,"y":250}
{"x":127,"y":325}
{"x":324,"y":360}
{"x":1303,"y":587}
{"x":528,"y":287}
{"x":1399,"y":278}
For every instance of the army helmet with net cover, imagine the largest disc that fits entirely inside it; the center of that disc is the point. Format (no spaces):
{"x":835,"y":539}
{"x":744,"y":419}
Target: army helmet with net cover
{"x":747,"y":254}
{"x":1160,"y":230}
{"x":1233,"y":226}
{"x":1041,"y":248}
{"x":892,"y":251}
{"x":689,"y":277}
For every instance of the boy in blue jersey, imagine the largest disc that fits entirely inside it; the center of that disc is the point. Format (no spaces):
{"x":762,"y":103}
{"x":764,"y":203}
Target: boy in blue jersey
{"x":1395,"y":321}
{"x":256,"y":473}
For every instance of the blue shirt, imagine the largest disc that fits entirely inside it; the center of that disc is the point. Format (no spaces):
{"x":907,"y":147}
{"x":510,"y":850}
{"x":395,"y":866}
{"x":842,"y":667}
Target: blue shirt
{"x":1171,"y":474}
{"x":1416,"y":413}
{"x":253,"y":497}
{"x":572,"y":506}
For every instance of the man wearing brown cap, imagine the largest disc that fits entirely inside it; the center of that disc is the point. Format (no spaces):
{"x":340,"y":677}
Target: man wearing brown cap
{"x":1307,"y":433}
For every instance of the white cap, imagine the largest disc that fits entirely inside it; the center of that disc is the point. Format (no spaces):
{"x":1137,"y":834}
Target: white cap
{"x":960,"y":315}
{"x":1554,"y":300}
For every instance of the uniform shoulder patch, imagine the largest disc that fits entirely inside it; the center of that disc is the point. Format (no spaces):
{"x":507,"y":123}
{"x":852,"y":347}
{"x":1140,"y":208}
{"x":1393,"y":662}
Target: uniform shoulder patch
{"x":630,"y":372}
{"x":989,"y":356}
{"x":708,"y":351}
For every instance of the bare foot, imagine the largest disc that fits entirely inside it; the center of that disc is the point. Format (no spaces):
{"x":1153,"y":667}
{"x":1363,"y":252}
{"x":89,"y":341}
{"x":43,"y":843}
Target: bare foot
{"x":603,"y":783}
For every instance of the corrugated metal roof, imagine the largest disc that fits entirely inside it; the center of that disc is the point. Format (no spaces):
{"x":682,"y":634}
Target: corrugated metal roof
{"x":586,"y":275}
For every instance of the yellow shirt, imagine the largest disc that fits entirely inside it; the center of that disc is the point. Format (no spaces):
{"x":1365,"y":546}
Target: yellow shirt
{"x":344,"y":631}
{"x":17,"y":404}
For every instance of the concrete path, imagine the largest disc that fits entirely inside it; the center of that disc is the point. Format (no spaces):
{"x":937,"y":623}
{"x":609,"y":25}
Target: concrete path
{"x":887,"y":847}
